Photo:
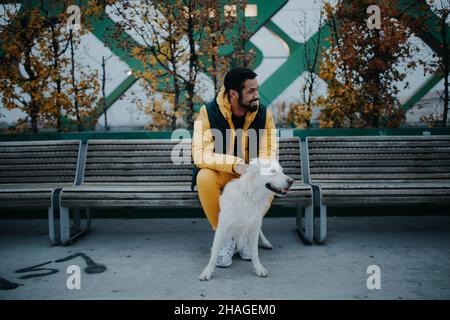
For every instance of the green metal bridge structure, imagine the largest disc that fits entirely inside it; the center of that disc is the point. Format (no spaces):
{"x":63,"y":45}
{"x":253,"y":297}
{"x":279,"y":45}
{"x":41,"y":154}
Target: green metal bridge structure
{"x":280,"y":79}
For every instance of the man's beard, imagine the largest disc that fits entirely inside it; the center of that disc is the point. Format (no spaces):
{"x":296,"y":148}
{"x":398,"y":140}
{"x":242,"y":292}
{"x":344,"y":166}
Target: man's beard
{"x":249,"y":107}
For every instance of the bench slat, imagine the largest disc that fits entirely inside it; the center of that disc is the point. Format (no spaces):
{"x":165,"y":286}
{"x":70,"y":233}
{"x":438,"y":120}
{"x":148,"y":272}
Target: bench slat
{"x":137,"y":178}
{"x":134,"y":172}
{"x":159,"y":153}
{"x":380,"y":170}
{"x":374,"y":176}
{"x":138,"y":166}
{"x":385,"y":192}
{"x":39,"y":155}
{"x":435,"y":184}
{"x":41,"y":161}
{"x":112,"y":159}
{"x":377,"y":163}
{"x":384,"y":200}
{"x":155,"y":187}
{"x":89,"y":160}
{"x":133,"y":178}
{"x":57,"y":180}
{"x":40,"y":143}
{"x":366,"y":150}
{"x":374,"y":156}
{"x":32,"y":203}
{"x":133,"y":195}
{"x":42,"y":173}
{"x":158,"y":172}
{"x":163,"y":141}
{"x":160,"y":147}
{"x":378,"y":138}
{"x":380,"y":144}
{"x":37,"y":149}
{"x":172,"y":203}
{"x":36,"y":167}
{"x":24,"y":195}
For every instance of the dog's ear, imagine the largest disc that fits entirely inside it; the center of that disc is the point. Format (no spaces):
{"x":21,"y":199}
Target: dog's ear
{"x":253,"y":168}
{"x":267,"y":167}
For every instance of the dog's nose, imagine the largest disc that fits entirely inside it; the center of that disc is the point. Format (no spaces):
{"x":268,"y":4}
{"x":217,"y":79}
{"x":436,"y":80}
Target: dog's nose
{"x":290,"y":181}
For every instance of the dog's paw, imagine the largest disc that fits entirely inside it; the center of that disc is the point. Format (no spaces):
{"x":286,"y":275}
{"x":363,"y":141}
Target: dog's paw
{"x":261,"y":271}
{"x":205,"y":276}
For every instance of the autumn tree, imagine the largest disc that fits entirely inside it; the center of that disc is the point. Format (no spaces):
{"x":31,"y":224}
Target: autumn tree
{"x":181,"y":39}
{"x":300,"y":113}
{"x":362,"y":66}
{"x":23,"y":76}
{"x":441,"y":65}
{"x":74,"y":87}
{"x":162,"y":55}
{"x":39,"y":72}
{"x":82,"y":88}
{"x":212,"y":61}
{"x":241,"y":55}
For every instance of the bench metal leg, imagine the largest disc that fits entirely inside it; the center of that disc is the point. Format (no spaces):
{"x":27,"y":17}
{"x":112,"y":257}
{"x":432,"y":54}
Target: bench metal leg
{"x":68,"y":233}
{"x":305,"y":229}
{"x":320,"y":224}
{"x":53,"y":230}
{"x":51,"y":226}
{"x":64,"y":221}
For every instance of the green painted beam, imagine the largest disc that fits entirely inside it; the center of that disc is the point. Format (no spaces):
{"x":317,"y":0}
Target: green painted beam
{"x":119,"y":90}
{"x":88,"y":124}
{"x":421,"y":91}
{"x":279,"y":80}
{"x":293,"y":67}
{"x":103,"y":24}
{"x":290,"y":70}
{"x":432,"y":37}
{"x":273,"y":27}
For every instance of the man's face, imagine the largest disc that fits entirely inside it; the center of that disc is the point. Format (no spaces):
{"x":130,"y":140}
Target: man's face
{"x":249,"y":98}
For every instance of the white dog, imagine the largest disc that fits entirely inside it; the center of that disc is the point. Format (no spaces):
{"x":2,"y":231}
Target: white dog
{"x":243,"y":203}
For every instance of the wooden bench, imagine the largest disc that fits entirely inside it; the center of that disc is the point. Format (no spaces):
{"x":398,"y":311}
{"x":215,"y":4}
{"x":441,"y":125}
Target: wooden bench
{"x":142,"y":174}
{"x":378,"y":170}
{"x":32,"y":171}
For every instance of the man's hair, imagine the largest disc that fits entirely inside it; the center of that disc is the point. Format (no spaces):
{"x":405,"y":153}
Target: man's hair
{"x":235,"y":78}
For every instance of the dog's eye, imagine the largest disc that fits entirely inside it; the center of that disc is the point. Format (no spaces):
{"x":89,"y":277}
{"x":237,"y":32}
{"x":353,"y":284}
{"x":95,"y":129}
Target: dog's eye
{"x":273,"y":171}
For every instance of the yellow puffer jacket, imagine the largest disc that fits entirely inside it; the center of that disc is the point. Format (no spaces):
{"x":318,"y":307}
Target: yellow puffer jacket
{"x":203,"y":143}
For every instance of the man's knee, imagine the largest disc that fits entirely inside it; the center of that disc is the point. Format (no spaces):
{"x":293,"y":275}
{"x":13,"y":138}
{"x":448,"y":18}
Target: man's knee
{"x":206,"y":177}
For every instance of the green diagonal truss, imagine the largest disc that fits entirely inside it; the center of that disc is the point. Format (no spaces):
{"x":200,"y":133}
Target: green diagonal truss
{"x":279,"y":80}
{"x":294,"y":66}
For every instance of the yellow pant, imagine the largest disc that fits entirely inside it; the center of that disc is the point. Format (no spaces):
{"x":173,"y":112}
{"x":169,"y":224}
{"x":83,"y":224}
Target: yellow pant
{"x":210,"y":184}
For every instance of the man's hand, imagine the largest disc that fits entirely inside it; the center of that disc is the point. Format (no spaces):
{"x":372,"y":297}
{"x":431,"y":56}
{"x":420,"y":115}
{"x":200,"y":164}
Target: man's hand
{"x":241,"y":167}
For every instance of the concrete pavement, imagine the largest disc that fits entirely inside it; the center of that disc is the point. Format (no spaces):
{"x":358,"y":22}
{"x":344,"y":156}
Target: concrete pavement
{"x":162,"y":258}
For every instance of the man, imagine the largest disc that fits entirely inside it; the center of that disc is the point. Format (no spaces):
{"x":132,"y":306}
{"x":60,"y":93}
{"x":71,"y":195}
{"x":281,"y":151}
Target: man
{"x":225,"y":133}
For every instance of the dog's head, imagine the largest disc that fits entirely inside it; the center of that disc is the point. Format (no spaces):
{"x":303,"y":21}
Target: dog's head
{"x":270,"y":174}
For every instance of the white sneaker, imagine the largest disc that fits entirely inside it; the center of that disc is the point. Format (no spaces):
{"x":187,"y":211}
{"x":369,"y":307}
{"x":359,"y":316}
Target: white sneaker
{"x":225,"y":258}
{"x":245,"y":253}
